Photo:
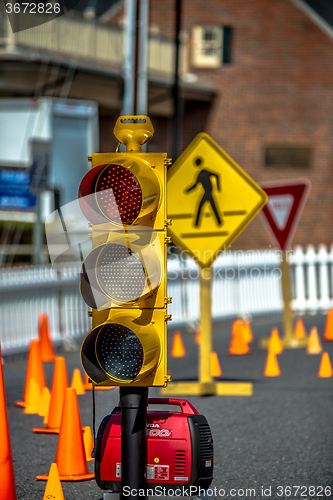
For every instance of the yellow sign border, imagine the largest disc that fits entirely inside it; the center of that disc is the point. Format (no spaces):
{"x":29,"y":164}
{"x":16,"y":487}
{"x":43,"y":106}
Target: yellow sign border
{"x":175,"y":167}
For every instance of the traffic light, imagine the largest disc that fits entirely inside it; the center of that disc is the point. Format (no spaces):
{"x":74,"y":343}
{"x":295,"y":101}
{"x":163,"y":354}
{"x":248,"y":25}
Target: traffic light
{"x":123,"y":278}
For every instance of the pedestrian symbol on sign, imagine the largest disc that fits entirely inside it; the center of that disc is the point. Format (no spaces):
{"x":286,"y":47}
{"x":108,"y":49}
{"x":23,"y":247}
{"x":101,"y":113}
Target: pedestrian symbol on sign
{"x":204,"y":178}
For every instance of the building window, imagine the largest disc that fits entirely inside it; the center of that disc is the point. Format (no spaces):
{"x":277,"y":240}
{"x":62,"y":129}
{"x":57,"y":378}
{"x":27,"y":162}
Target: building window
{"x":211,"y":46}
{"x":288,"y":156}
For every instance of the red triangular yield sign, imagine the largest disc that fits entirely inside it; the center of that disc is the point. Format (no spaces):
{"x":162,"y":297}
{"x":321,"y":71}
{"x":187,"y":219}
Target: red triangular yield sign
{"x":284,"y":208}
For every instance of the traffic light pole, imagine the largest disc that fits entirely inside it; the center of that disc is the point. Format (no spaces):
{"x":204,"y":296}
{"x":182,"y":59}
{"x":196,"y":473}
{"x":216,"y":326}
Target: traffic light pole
{"x":133,"y":404}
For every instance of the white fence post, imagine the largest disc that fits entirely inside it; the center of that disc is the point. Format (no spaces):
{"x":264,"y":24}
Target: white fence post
{"x":323,"y":259}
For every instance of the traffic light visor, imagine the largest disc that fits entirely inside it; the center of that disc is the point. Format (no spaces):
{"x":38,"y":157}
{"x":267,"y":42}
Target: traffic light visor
{"x":123,"y":349}
{"x":125,"y":192}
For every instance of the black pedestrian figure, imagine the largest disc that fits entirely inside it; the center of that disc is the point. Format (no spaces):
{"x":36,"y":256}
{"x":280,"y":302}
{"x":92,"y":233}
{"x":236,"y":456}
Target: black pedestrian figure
{"x":204,"y":179}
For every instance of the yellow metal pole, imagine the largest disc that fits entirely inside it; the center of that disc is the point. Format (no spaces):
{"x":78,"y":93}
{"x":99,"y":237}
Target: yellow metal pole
{"x":205,"y":347}
{"x":288,"y":339}
{"x":286,"y":298}
{"x":206,"y":386}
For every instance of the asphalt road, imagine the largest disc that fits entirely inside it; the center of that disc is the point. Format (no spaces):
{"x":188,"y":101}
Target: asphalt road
{"x":265,"y":446}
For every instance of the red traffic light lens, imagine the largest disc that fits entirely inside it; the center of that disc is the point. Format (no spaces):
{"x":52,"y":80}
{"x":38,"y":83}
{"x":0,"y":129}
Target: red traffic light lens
{"x":110,"y":193}
{"x":118,"y":194}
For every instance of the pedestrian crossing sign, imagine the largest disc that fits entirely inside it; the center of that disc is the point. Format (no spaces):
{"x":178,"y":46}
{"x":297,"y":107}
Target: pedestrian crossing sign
{"x":210,"y":200}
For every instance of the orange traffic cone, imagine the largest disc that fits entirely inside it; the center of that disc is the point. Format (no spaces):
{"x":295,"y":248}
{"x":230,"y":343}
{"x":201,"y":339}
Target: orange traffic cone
{"x":215,"y":369}
{"x":178,"y":349}
{"x":247,"y":331}
{"x":77,"y":382}
{"x":197,"y":337}
{"x":238,"y":345}
{"x":46,"y":344}
{"x":53,"y":486}
{"x":70,"y":456}
{"x":325,"y":369}
{"x":272,"y":368}
{"x":44,"y":404}
{"x":314,"y":344}
{"x":86,"y":384}
{"x":328,"y":335}
{"x":275,"y":344}
{"x":34,"y":397}
{"x":7,"y":489}
{"x":35,"y":371}
{"x":59,"y":385}
{"x":299,"y":332}
{"x":88,"y":442}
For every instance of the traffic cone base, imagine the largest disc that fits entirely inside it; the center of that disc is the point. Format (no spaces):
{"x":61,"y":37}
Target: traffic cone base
{"x":104,"y":387}
{"x":249,"y":351}
{"x":53,"y":487}
{"x":325,"y":369}
{"x":71,"y":456}
{"x":80,"y":477}
{"x":19,"y":404}
{"x":45,"y":430}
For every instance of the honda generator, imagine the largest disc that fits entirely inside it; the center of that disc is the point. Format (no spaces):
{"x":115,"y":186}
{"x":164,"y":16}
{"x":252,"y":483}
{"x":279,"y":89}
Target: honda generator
{"x":179,"y":448}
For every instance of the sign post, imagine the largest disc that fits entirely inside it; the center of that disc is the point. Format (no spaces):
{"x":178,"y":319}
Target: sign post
{"x":205,"y":346}
{"x":281,"y":214}
{"x":288,"y":339}
{"x":210,"y":201}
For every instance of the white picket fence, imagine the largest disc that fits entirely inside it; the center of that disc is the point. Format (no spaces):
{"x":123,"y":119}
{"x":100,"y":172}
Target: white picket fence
{"x":245,"y":284}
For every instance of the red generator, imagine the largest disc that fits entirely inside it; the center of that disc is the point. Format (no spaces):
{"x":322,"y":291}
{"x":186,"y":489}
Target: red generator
{"x":179,"y":448}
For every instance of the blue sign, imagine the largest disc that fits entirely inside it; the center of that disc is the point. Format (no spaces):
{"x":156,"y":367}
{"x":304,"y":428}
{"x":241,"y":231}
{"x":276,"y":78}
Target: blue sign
{"x":15,"y":191}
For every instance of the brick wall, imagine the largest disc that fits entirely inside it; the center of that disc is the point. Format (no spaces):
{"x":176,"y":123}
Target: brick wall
{"x":278,"y":89}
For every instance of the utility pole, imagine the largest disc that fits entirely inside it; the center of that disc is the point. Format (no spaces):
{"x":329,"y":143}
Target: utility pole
{"x":177,"y":111}
{"x":130,"y":58}
{"x":134,"y":400}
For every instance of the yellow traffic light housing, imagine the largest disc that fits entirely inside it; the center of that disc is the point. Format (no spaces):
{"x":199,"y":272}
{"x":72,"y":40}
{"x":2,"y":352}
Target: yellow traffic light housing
{"x":123,"y":278}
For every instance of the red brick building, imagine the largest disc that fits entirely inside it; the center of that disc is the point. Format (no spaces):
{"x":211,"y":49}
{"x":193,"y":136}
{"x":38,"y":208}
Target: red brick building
{"x":256,"y":75}
{"x":273,"y":106}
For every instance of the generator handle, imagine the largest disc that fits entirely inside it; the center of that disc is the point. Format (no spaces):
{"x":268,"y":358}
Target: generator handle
{"x":186,"y":406}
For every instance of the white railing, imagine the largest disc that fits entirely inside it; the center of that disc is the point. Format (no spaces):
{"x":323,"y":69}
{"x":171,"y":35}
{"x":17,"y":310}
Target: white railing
{"x":75,"y":38}
{"x":245,"y":283}
{"x":27,"y":291}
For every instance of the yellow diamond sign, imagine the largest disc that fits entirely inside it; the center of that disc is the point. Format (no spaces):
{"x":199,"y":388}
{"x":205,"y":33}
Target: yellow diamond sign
{"x":210,"y":200}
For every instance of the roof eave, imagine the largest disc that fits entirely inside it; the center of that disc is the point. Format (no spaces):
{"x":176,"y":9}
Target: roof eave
{"x":315,"y":17}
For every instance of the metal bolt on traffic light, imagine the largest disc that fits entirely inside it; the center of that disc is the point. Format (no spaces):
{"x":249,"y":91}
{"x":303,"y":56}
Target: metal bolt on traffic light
{"x":123,"y":278}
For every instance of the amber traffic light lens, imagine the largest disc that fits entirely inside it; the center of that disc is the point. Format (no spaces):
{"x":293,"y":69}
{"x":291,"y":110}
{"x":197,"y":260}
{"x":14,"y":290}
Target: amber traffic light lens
{"x":120,"y":273}
{"x":119,"y":352}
